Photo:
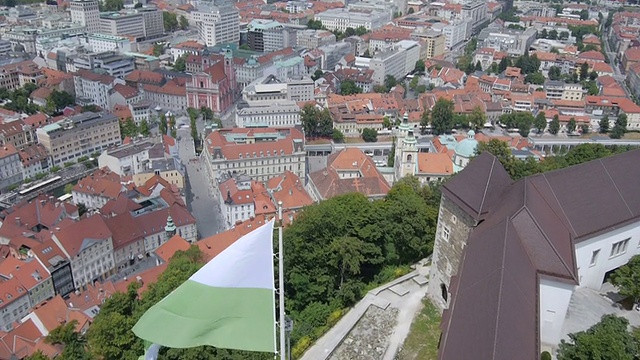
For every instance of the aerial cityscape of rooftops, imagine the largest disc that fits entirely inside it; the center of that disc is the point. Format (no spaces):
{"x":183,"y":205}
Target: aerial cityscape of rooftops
{"x":454,"y":179}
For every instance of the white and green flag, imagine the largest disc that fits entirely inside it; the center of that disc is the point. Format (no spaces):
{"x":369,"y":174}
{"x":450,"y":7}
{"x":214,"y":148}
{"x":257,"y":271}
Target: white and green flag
{"x":229,"y":303}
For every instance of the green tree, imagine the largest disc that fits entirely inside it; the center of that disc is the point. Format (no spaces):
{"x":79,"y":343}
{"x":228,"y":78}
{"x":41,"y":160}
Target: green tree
{"x":554,"y":126}
{"x":61,"y":99}
{"x":315,"y":24}
{"x":390,"y":82}
{"x":170,"y":21}
{"x":337,"y":136}
{"x":584,"y":71}
{"x":478,"y":66}
{"x":604,"y":124}
{"x":68,"y":188}
{"x":184,"y":23}
{"x":386,"y":123}
{"x":535,"y":78}
{"x":504,"y":63}
{"x":420,"y":67}
{"x":316,"y":122}
{"x":442,"y":116}
{"x":347,"y":254}
{"x":348,"y":32}
{"x":158,"y":49}
{"x":540,"y":122}
{"x":554,"y":73}
{"x":163,"y":126}
{"x":477,"y":118}
{"x":553,"y":35}
{"x":38,"y":355}
{"x":425,"y":120}
{"x":369,"y":135}
{"x":180,"y":63}
{"x":361,"y":30}
{"x":193,"y":113}
{"x":74,"y":342}
{"x":584,"y":14}
{"x":584,"y":128}
{"x":129,"y":128}
{"x":593,"y":75}
{"x":571,"y":126}
{"x":606,"y":340}
{"x":144,"y":127}
{"x":349,"y":87}
{"x":112,"y":5}
{"x":421,"y":89}
{"x":391,"y":157}
{"x":317,"y":75}
{"x":543,"y":34}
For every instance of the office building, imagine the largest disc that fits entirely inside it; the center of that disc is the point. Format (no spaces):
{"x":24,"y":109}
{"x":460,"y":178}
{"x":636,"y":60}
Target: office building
{"x":217,"y":24}
{"x":86,"y":13}
{"x":397,"y":62}
{"x":79,"y":136}
{"x":341,"y":19}
{"x":283,"y":113}
{"x":313,"y":39}
{"x":145,"y":23}
{"x":103,"y":42}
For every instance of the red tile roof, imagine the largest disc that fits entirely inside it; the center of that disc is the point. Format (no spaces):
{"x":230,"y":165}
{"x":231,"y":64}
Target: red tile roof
{"x":74,"y":238}
{"x":173,"y":245}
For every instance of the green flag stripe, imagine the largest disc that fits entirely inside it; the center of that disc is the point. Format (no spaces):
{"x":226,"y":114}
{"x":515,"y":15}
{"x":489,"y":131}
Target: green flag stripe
{"x":196,"y":314}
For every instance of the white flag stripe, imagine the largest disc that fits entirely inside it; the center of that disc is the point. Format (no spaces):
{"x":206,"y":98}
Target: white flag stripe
{"x":241,"y":264}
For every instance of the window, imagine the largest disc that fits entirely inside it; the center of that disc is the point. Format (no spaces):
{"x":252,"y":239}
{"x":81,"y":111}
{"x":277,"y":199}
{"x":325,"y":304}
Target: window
{"x":454,"y":219}
{"x":619,"y":248}
{"x":445,"y":233}
{"x":594,"y":257}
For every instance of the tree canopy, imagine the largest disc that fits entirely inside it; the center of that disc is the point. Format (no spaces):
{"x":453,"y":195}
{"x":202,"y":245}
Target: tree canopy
{"x":369,"y":135}
{"x":606,"y":340}
{"x":627,"y":279}
{"x":442,"y":116}
{"x":316,"y":122}
{"x":349,"y":87}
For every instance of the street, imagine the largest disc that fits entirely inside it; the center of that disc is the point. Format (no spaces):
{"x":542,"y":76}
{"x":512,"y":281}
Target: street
{"x":200,"y":199}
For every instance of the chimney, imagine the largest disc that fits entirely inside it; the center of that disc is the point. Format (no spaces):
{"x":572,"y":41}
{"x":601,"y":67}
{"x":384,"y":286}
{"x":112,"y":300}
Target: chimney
{"x":139,"y":280}
{"x":18,"y":221}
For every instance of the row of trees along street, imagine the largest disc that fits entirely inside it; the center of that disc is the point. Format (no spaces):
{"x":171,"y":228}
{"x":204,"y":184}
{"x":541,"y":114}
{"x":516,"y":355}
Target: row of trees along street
{"x":336,"y":251}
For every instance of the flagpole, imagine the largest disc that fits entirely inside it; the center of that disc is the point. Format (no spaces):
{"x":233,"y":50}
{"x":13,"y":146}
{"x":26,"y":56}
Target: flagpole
{"x":281,"y":284}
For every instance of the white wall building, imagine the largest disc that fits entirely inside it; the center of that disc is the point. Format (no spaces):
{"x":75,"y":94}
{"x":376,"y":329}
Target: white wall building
{"x":282,"y":113}
{"x":86,"y":13}
{"x":341,"y":19}
{"x":103,"y":42}
{"x":217,"y":24}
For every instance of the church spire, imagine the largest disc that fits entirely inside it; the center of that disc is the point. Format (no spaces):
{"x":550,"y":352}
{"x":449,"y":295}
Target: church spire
{"x":170,"y":228}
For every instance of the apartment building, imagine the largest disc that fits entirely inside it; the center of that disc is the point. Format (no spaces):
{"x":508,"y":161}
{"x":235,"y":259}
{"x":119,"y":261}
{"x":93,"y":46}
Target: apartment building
{"x":103,"y":42}
{"x":10,"y":166}
{"x":16,"y":133}
{"x":170,"y":170}
{"x":476,"y":10}
{"x":218,"y":24}
{"x":270,"y":88}
{"x":35,"y":160}
{"x":313,"y":39}
{"x":14,"y":303}
{"x":79,"y":135}
{"x":95,"y":190}
{"x":283,"y":113}
{"x":93,"y":89}
{"x":128,"y":23}
{"x":16,"y":75}
{"x":512,"y":41}
{"x":170,"y":96}
{"x":86,"y":13}
{"x":435,"y":43}
{"x":242,"y":198}
{"x":129,"y":159}
{"x":258,"y":153}
{"x":341,"y":19}
{"x":33,"y":277}
{"x":269,"y":36}
{"x":88,"y":244}
{"x":397,"y":62}
{"x":112,"y":63}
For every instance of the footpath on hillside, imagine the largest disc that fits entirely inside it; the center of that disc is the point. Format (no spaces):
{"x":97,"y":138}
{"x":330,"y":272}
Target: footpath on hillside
{"x":376,"y":327}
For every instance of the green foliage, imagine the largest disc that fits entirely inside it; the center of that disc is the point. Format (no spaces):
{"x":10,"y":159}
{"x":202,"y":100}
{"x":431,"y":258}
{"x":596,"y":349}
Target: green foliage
{"x":55,"y":168}
{"x":540,"y":122}
{"x":74,"y":343}
{"x":111,"y":5}
{"x":316,"y":122}
{"x":144,"y":128}
{"x":184,"y":23}
{"x":337,"y":136}
{"x":170,"y":21}
{"x":128,"y":128}
{"x":315,"y":25}
{"x":91,"y":108}
{"x":420,"y":67}
{"x":545,"y":356}
{"x":163,"y":126}
{"x":68,"y":188}
{"x":477,"y":118}
{"x":158,"y":49}
{"x":421,"y":89}
{"x":509,"y":16}
{"x":518,"y":120}
{"x":620,"y":127}
{"x":442,"y":116}
{"x":69,"y":164}
{"x":554,"y":73}
{"x":627,"y":279}
{"x":606,"y":340}
{"x":554,"y":126}
{"x":370,"y":135}
{"x":389,"y":82}
{"x":528,"y":64}
{"x":179,"y":64}
{"x":317,"y":75}
{"x":349,"y":87}
{"x":20,"y":101}
{"x":535,"y":78}
{"x":584,"y":71}
{"x":38,"y":355}
{"x":504,"y":63}
{"x":604,"y":124}
{"x":571,"y":126}
{"x":520,"y":168}
{"x":339,"y":248}
{"x":391,"y":157}
{"x":425,"y":120}
{"x":61,"y":99}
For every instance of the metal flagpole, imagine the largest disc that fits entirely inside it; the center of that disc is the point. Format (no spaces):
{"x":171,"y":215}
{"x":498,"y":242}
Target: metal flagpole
{"x":281,"y":285}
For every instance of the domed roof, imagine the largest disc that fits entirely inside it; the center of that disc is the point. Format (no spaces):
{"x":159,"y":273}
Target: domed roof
{"x":467,"y":147}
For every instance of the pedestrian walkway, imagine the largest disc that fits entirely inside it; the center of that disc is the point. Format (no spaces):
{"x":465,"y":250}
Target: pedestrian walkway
{"x":404,"y":295}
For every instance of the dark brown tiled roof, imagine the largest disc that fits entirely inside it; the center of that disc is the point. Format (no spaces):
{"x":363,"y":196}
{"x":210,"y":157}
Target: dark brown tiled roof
{"x":478,"y":190}
{"x":528,"y":234}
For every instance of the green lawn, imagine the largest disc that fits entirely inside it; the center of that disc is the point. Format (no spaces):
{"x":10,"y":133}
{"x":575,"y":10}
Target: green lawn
{"x":422,"y":341}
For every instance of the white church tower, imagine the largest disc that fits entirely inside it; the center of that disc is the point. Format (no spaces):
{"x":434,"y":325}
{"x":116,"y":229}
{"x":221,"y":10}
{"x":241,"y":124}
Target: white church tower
{"x":406,"y":150}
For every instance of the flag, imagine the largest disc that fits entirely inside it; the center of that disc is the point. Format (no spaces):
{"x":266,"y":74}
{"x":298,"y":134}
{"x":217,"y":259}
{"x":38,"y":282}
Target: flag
{"x":229,"y":303}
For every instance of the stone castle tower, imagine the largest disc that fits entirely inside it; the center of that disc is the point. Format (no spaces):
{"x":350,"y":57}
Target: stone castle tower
{"x":466,"y":199}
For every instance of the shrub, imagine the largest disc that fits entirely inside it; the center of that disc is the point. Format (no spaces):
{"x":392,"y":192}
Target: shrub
{"x":545,"y":356}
